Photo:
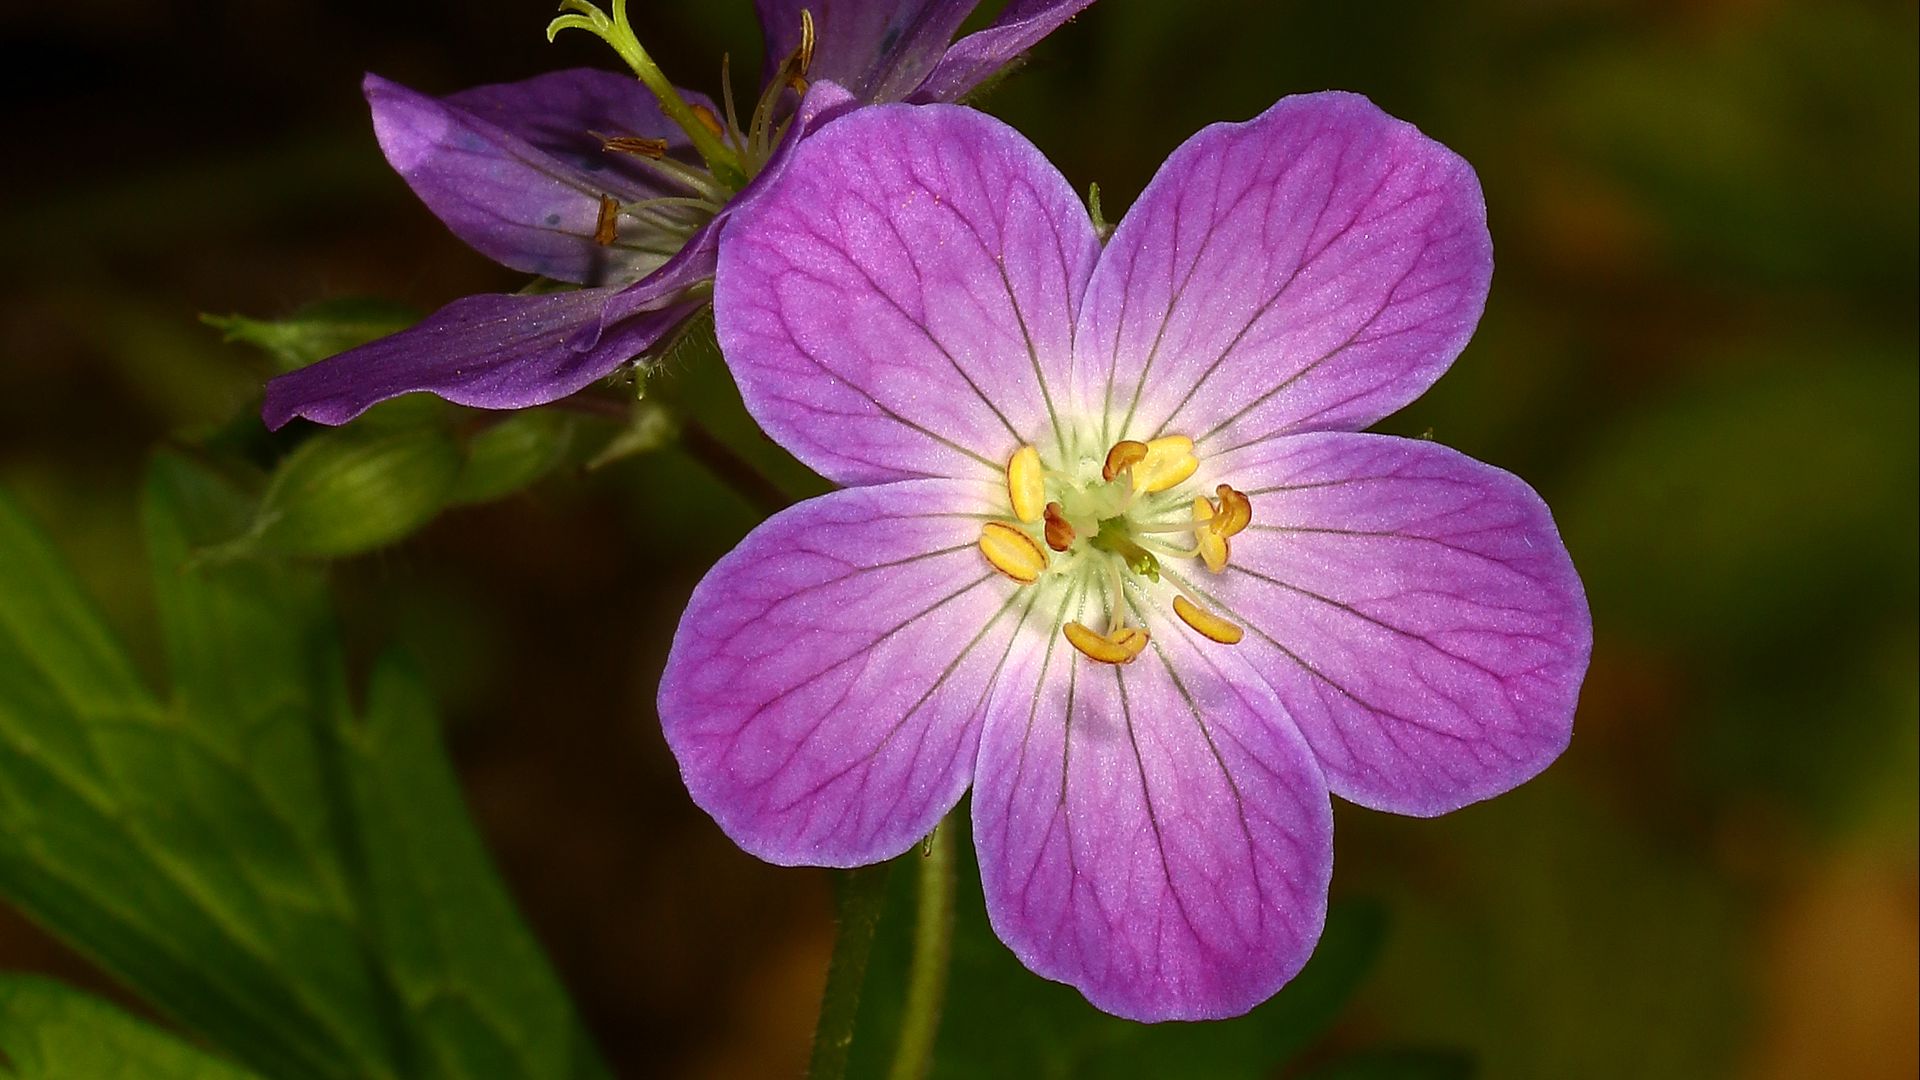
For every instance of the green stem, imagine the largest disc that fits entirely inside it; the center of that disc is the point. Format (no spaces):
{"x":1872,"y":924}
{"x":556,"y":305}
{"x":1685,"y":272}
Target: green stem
{"x":617,"y":32}
{"x":932,"y":949}
{"x":859,"y":897}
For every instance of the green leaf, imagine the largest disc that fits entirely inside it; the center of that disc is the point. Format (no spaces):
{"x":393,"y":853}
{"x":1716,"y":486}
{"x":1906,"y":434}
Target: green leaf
{"x":1398,"y":1063}
{"x":296,"y":884}
{"x":316,"y":331}
{"x":53,"y":1032}
{"x":1002,"y":1020}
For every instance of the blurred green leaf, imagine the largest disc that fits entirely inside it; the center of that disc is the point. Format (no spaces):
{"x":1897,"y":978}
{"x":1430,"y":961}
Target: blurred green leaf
{"x":508,"y":456}
{"x":1397,"y":1063}
{"x":316,"y":331}
{"x":1002,"y":1020}
{"x":299,"y":886}
{"x":53,"y":1032}
{"x":349,"y":491}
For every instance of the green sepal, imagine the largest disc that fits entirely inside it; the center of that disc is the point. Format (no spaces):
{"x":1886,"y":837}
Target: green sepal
{"x":317,"y":330}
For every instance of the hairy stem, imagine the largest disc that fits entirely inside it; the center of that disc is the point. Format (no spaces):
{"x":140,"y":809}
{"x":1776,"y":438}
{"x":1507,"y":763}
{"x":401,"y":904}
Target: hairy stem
{"x":859,"y":896}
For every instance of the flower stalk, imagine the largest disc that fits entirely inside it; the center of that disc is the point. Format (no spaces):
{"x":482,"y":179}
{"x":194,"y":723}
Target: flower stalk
{"x":932,"y":950}
{"x":859,"y":896}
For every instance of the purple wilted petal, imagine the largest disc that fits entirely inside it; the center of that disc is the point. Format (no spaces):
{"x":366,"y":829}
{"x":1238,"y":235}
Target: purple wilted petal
{"x":491,"y":351}
{"x":824,"y":688}
{"x":878,"y":49}
{"x":1156,"y":833}
{"x":1316,"y":267}
{"x":979,"y":56}
{"x":516,"y":170}
{"x":902,"y":303}
{"x":1415,"y":611}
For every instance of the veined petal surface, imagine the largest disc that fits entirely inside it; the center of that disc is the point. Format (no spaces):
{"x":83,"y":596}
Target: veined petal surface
{"x":1414,"y":609}
{"x":517,"y":170}
{"x":1155,"y":834}
{"x":878,"y":49}
{"x":977,"y":57}
{"x":901,"y":304}
{"x":824,"y":690}
{"x":492,"y":351}
{"x":1316,"y":267}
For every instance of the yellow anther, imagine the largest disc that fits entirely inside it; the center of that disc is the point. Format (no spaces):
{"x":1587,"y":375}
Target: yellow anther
{"x":1124,"y":455}
{"x":606,"y":229}
{"x":1213,"y":547}
{"x":1026,"y":484}
{"x":1059,"y":532}
{"x":1236,"y":512}
{"x":1119,"y":647}
{"x":1169,"y":461}
{"x":1209,"y":624}
{"x":1012,"y":551}
{"x":708,"y":120}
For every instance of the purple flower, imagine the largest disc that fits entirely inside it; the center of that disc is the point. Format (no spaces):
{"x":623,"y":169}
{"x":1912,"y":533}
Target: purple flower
{"x":1113,"y":551}
{"x":579,"y":176}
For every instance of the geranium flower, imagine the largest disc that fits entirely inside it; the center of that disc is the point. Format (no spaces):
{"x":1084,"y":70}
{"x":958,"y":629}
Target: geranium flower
{"x":622,"y":186}
{"x":1113,"y":551}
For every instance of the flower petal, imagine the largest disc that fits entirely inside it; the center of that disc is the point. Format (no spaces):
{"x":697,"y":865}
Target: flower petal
{"x":901,"y":303}
{"x":1316,"y":267}
{"x":824,"y":689}
{"x":1414,"y":609}
{"x":516,"y":170}
{"x":492,"y":351}
{"x":979,"y":56}
{"x":1155,"y":834}
{"x":878,"y":49}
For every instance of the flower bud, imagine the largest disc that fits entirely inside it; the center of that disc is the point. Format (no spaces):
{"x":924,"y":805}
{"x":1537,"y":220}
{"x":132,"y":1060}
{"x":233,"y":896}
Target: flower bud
{"x":349,"y":491}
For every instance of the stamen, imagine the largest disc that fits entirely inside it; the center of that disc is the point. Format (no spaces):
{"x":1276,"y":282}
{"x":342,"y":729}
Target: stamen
{"x":633,"y":144}
{"x":1120,"y":647}
{"x":1026,"y":484}
{"x":1012,"y":552}
{"x":1236,"y":512}
{"x":1124,"y":455}
{"x":806,"y":51}
{"x":606,"y":228}
{"x":1059,"y":532}
{"x":1168,"y":462}
{"x":1206,"y":622}
{"x":1214,"y":549}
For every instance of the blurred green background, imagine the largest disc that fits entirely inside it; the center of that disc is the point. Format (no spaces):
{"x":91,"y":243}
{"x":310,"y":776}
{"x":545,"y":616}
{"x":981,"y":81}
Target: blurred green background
{"x":1700,"y":348}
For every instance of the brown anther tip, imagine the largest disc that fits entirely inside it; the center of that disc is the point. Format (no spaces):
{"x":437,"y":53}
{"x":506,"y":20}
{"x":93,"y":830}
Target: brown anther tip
{"x":634,"y":144}
{"x":606,"y":229}
{"x":708,"y":120}
{"x":1125,"y":454}
{"x":806,"y":45}
{"x":1059,"y":533}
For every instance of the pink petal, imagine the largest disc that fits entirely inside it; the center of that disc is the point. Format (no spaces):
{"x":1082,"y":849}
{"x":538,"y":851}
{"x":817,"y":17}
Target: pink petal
{"x":1155,"y":834}
{"x":1414,"y":609}
{"x":902,"y":303}
{"x":1316,"y":267}
{"x":824,"y":689}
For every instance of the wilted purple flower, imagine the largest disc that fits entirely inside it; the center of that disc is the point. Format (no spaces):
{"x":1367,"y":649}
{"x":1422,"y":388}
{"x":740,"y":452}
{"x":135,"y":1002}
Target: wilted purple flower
{"x":1113,"y":551}
{"x":581,"y":177}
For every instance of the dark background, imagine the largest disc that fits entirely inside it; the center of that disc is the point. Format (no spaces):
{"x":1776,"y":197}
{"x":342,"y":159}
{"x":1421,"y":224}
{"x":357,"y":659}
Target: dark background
{"x":1700,"y":348}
